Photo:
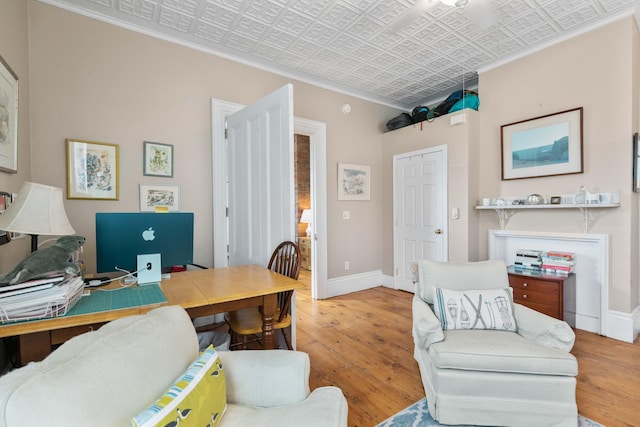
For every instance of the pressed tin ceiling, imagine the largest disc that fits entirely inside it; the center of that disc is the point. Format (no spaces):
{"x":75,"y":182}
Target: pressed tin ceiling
{"x":400,"y":53}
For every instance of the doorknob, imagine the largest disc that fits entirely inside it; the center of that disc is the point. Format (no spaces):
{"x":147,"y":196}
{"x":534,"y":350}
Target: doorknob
{"x":438,"y":231}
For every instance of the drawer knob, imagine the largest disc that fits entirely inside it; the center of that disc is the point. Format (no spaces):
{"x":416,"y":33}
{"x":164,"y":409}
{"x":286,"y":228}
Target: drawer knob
{"x":524,"y":296}
{"x":525,"y":284}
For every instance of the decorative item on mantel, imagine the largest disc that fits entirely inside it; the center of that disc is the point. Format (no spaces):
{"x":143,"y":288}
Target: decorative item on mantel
{"x":584,"y":200}
{"x":535,"y":199}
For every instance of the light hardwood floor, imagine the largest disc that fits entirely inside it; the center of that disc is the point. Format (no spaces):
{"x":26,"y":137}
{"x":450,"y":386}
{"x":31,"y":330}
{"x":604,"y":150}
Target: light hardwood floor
{"x":361,"y":342}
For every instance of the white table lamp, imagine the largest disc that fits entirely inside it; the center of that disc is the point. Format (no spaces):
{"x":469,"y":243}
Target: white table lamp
{"x":306,"y":219}
{"x":38,"y":211}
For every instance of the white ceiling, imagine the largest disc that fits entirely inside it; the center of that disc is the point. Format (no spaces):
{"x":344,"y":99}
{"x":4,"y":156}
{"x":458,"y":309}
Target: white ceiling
{"x":400,"y":53}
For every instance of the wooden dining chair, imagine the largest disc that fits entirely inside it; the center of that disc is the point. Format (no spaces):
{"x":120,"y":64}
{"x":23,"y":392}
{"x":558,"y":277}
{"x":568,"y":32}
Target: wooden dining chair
{"x":247,"y":322}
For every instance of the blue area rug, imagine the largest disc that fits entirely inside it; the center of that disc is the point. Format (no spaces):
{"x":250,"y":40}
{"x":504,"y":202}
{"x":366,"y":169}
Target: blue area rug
{"x":417,"y":415}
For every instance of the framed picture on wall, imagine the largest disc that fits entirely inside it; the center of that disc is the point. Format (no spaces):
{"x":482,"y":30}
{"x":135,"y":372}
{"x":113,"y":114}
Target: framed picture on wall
{"x":158,"y":159}
{"x":354,"y":182}
{"x":159,"y":198}
{"x":8,"y":118}
{"x":92,"y":170}
{"x":543,"y":146}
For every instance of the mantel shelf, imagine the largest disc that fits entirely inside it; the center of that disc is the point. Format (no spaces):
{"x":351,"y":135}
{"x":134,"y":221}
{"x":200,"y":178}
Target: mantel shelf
{"x":547,"y":206}
{"x":505,"y":212}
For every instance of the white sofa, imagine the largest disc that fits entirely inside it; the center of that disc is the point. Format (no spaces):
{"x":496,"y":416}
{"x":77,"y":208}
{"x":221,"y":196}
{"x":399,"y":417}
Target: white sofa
{"x":106,"y":377}
{"x":492,"y":377}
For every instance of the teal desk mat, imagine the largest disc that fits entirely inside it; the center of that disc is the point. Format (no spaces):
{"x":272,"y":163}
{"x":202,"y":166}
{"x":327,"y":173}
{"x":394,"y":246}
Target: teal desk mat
{"x":117,"y":299}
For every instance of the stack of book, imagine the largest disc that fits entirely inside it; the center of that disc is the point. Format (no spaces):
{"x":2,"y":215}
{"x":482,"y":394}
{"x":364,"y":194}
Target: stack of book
{"x":39,"y":298}
{"x":557,"y":262}
{"x":528,"y":259}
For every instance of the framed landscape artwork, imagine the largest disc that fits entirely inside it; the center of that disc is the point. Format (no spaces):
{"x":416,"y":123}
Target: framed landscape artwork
{"x":543,"y":146}
{"x":8,"y":118}
{"x":92,"y":170}
{"x":354,"y":182}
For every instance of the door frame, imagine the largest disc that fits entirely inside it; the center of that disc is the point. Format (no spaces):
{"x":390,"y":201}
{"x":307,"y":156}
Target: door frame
{"x":444,"y":201}
{"x":317,"y":133}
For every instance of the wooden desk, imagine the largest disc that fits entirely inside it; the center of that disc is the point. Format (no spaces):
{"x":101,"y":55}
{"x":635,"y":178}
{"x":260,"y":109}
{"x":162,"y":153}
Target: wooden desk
{"x":200,"y":292}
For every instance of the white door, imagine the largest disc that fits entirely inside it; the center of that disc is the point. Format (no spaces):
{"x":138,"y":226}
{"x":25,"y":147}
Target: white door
{"x":420,"y":212}
{"x":261,"y":178}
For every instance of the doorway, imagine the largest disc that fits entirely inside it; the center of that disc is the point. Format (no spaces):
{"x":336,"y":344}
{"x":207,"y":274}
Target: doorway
{"x":316,"y":131}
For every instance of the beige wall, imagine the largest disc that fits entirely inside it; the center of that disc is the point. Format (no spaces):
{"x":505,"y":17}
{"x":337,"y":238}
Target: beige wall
{"x":14,"y":49}
{"x":99,"y":82}
{"x":594,"y":71}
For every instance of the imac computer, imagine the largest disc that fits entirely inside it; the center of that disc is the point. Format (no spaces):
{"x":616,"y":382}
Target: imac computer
{"x":123,"y":236}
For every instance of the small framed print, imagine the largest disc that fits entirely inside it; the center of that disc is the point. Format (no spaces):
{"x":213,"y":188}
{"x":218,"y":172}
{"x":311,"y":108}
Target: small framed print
{"x":158,"y":159}
{"x":155,"y":198}
{"x":92,"y":170}
{"x":354,"y":182}
{"x":555,"y":200}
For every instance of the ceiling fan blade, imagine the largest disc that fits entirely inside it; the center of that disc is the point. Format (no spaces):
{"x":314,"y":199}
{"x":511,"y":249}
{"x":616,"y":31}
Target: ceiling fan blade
{"x":482,"y":14}
{"x":410,"y":16}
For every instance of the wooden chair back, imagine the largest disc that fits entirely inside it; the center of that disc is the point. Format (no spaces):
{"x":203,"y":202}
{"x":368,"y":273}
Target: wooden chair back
{"x":285,"y":260}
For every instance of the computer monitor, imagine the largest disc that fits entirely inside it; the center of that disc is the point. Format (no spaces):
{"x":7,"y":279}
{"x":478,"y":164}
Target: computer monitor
{"x":122,"y":236}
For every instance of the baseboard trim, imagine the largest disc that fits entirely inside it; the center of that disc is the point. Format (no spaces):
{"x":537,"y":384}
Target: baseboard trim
{"x":354,"y":283}
{"x":388,"y":281}
{"x":623,"y":326}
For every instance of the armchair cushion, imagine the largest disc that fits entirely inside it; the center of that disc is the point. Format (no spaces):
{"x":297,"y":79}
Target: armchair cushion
{"x":499,"y":351}
{"x":544,"y":330}
{"x":266,"y":378}
{"x":460,"y":276}
{"x":475,"y":309}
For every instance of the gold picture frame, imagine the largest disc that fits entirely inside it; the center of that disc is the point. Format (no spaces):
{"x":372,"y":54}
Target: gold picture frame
{"x":92,"y":170}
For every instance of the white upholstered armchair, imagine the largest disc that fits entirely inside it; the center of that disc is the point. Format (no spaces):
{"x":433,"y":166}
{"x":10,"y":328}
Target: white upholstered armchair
{"x":512,"y":369}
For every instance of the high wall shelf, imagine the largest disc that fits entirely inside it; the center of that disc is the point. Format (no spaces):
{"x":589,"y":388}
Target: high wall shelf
{"x":505,"y":212}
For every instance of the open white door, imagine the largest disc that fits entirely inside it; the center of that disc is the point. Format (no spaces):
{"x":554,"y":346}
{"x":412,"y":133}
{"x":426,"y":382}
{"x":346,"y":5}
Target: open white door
{"x":261,"y":178}
{"x":420,"y":211}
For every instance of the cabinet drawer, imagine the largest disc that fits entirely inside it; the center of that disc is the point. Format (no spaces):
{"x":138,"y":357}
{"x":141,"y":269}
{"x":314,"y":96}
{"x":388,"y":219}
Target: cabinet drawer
{"x":533,"y":296}
{"x":304,"y":250}
{"x":526,"y":283}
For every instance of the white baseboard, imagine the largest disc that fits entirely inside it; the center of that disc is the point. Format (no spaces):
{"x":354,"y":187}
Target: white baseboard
{"x":623,"y":326}
{"x":354,"y":283}
{"x":387,"y":281}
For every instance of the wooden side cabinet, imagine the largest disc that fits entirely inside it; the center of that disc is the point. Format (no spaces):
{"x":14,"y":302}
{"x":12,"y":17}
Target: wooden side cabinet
{"x":304,"y":243}
{"x":546,"y":293}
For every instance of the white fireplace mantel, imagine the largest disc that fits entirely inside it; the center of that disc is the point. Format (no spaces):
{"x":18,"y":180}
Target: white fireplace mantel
{"x":592,"y":268}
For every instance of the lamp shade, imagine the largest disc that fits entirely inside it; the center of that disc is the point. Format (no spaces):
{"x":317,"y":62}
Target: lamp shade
{"x":39,"y":210}
{"x":306,"y":216}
